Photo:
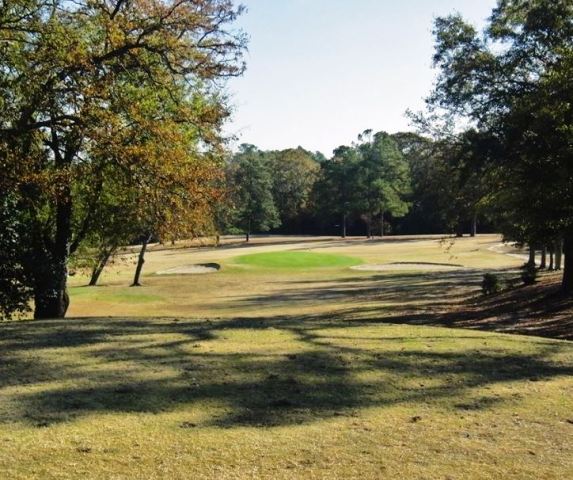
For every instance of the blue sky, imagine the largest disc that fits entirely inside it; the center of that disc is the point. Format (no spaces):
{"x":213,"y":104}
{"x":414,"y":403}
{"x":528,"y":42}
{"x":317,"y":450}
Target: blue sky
{"x":321,"y":71}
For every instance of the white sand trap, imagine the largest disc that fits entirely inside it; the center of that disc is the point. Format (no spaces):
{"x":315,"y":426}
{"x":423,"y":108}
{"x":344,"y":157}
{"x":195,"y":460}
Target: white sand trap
{"x":381,"y":267}
{"x":196,"y":269}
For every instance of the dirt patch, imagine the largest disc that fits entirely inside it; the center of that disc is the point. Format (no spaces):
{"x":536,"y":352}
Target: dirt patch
{"x":195,"y":269}
{"x":381,"y":267}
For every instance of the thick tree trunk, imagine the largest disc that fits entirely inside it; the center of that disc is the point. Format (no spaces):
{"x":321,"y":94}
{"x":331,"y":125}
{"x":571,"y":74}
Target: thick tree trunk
{"x":344,"y":225}
{"x":140,"y":261}
{"x":459,"y":229}
{"x":248,"y":232}
{"x":558,"y":254}
{"x":382,"y":225}
{"x":551,"y":258}
{"x":51,"y":298}
{"x":474,"y":225}
{"x":99,"y":266}
{"x":567,"y":284}
{"x":543,"y":264}
{"x":531,"y":260}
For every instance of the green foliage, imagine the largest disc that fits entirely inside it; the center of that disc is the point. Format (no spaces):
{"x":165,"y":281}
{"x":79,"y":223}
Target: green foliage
{"x":252,"y":191}
{"x":294,"y":172}
{"x":513,"y":83}
{"x":384,"y":175}
{"x":369,"y":179}
{"x":490,"y":284}
{"x":106,"y":106}
{"x":15,"y":292}
{"x":336,"y":192}
{"x":529,"y":274}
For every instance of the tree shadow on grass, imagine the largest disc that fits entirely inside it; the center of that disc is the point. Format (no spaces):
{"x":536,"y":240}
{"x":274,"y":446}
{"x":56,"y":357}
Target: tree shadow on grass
{"x":84,"y":366}
{"x":420,"y":288}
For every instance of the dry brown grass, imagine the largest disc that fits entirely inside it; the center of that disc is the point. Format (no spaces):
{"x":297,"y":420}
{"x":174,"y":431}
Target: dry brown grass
{"x":248,"y":373}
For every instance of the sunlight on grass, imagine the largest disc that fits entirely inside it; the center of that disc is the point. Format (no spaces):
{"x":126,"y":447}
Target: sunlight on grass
{"x":280,"y":398}
{"x":119,"y":295}
{"x":297,"y":260}
{"x":286,"y":364}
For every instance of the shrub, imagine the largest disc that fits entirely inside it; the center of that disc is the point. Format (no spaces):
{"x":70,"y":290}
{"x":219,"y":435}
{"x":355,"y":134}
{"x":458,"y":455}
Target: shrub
{"x":529,"y":274}
{"x":490,"y":284}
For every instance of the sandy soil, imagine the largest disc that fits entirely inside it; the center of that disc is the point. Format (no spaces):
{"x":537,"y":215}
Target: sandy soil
{"x":406,"y":266}
{"x":196,"y":269}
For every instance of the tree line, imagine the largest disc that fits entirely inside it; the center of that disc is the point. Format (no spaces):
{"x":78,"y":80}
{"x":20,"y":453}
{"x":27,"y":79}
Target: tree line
{"x":380,"y":184}
{"x":511,"y":85}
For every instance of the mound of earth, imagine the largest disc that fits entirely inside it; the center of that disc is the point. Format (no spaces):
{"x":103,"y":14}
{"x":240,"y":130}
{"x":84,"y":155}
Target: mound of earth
{"x":194,"y":269}
{"x":380,"y":267}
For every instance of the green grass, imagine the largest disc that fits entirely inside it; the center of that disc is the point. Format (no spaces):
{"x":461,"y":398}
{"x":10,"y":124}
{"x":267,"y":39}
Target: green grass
{"x":286,"y":398}
{"x":297,"y":260}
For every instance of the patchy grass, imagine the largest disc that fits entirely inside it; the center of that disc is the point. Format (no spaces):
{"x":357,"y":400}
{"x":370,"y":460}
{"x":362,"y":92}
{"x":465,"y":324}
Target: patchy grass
{"x":281,"y":398}
{"x":288,"y":373}
{"x":296,"y":260}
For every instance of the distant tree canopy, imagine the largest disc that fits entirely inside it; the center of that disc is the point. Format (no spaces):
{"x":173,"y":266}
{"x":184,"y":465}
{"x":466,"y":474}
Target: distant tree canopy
{"x":251,"y":187}
{"x":301,"y":192}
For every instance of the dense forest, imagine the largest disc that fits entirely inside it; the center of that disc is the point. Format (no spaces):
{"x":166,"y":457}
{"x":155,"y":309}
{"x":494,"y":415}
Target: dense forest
{"x":382,"y":184}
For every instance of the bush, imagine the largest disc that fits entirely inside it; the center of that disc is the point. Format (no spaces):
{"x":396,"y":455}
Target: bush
{"x":490,"y":284}
{"x":529,"y":274}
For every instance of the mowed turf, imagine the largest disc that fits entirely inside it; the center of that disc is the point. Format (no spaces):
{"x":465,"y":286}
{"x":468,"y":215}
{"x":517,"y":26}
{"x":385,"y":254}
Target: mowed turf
{"x":286,"y":374}
{"x":297,"y":260}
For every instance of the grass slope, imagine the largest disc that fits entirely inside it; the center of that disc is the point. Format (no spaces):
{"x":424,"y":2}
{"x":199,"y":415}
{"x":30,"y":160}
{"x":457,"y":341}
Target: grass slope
{"x":292,"y":397}
{"x":286,"y":373}
{"x":296,"y":260}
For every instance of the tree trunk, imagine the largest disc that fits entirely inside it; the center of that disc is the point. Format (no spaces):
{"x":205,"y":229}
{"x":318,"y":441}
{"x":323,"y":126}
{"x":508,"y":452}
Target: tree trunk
{"x":217,"y":240}
{"x":140,"y":261}
{"x":459,"y":230}
{"x":248,"y":232}
{"x":543,"y":264}
{"x":344,"y":225}
{"x":51,"y":298}
{"x":474,"y":225}
{"x":567,"y":284}
{"x":381,"y":224}
{"x":558,"y":254}
{"x":369,"y":227}
{"x":551,"y":258}
{"x":531,"y":260}
{"x":100,"y":265}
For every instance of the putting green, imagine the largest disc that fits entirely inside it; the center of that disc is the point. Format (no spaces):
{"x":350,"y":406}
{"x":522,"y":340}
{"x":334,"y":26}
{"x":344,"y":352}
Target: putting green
{"x":297,"y":260}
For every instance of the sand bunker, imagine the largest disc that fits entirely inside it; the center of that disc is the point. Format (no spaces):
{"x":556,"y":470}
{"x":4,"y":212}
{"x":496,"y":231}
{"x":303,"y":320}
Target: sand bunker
{"x":380,"y":267}
{"x":195,"y":269}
